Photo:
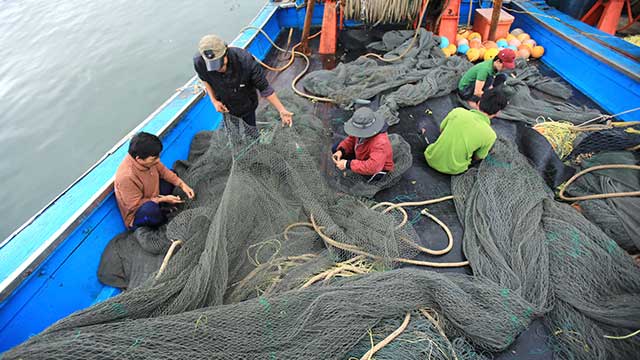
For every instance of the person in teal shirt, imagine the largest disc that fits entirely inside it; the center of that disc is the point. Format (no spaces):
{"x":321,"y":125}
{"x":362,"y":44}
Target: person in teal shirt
{"x":465,"y":135}
{"x":482,"y":76}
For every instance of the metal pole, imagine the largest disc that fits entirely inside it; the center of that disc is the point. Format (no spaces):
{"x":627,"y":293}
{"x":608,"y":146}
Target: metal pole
{"x":304,"y":48}
{"x":495,"y":18}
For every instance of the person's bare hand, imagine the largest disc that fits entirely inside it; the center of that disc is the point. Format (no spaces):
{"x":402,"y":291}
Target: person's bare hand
{"x":337,"y":155}
{"x":286,"y":117}
{"x":188,"y":190}
{"x":220,"y":107}
{"x":341,"y":164}
{"x":170,"y":199}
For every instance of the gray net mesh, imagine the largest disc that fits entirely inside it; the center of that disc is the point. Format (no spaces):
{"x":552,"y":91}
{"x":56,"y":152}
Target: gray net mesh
{"x":520,"y":238}
{"x":617,"y":217}
{"x":423,"y":72}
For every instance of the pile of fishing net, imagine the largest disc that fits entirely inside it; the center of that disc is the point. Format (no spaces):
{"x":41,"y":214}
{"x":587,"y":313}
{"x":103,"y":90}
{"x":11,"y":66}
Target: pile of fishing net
{"x":517,"y":236}
{"x":618,"y":217}
{"x":422,"y":73}
{"x":532,"y":95}
{"x":277,"y":264}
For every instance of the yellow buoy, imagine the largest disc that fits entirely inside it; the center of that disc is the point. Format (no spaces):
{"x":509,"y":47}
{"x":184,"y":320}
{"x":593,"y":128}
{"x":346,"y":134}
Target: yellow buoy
{"x":481,"y":51}
{"x":510,"y":37}
{"x":537,"y":52}
{"x":464,"y":33}
{"x":452,"y":48}
{"x":474,"y":35}
{"x":490,"y":53}
{"x":446,"y":51}
{"x":473,"y":54}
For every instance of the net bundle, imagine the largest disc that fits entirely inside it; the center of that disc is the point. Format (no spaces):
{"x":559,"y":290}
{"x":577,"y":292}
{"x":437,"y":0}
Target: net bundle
{"x":549,"y":254}
{"x":617,"y":216}
{"x":423,"y":72}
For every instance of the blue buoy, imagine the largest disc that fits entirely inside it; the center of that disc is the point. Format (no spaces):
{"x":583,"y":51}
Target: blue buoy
{"x":463,"y":48}
{"x":444,"y":42}
{"x":502,"y":43}
{"x":512,"y":47}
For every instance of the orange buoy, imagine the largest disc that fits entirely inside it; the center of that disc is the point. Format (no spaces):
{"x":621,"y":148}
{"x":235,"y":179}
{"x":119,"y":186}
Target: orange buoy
{"x":473,"y":54}
{"x":490,"y":45}
{"x":537,"y":52}
{"x":524,"y":52}
{"x":475,"y":43}
{"x":491,"y":53}
{"x":523,"y":37}
{"x":462,"y":42}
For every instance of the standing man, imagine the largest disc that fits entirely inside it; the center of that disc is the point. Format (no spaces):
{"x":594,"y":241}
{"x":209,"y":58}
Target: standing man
{"x":465,"y":135}
{"x":482,"y":76}
{"x":143,"y":184}
{"x":231,"y":77}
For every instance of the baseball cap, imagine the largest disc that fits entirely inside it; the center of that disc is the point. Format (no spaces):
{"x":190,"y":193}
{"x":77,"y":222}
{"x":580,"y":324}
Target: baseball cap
{"x":508,"y":58}
{"x":212,"y":49}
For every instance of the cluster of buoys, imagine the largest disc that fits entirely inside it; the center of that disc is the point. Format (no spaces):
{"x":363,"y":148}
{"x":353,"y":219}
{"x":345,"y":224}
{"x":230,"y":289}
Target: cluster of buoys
{"x":470,"y":44}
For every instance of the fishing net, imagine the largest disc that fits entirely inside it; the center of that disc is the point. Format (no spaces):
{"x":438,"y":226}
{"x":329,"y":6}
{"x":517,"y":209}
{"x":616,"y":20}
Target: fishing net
{"x":359,"y":185}
{"x":617,"y":217}
{"x":234,"y":287}
{"x":520,"y":238}
{"x":533,"y":95}
{"x":422,"y":73}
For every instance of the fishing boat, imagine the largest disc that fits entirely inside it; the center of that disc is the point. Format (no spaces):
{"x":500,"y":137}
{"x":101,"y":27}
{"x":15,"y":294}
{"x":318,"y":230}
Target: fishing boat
{"x":48,"y":267}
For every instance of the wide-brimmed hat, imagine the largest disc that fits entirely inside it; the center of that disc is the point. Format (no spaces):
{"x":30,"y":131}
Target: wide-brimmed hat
{"x":213,"y":49}
{"x":364,"y":123}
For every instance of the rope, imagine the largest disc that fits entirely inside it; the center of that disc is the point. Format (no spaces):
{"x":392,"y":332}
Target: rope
{"x":388,"y":339}
{"x":291,"y":60}
{"x":356,"y":250}
{"x":439,"y":328}
{"x":167,"y":257}
{"x":605,"y":117}
{"x":598,"y":196}
{"x":623,"y":337}
{"x":425,"y":212}
{"x":413,"y":40}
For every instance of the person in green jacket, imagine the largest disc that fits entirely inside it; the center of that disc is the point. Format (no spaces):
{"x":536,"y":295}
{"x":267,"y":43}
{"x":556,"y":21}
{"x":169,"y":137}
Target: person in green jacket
{"x":485,"y":75}
{"x":465,"y":135}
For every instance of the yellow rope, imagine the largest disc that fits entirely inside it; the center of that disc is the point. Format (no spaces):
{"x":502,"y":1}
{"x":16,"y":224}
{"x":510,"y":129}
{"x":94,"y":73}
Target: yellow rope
{"x":623,"y":337}
{"x":356,"y":250}
{"x":388,"y":339}
{"x":598,"y":196}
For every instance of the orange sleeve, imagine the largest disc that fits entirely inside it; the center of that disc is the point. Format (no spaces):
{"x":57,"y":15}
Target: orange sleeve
{"x":168,"y":175}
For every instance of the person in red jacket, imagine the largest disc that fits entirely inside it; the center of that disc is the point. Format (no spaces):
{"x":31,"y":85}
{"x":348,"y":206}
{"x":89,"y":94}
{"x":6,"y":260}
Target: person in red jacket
{"x":367,"y":150}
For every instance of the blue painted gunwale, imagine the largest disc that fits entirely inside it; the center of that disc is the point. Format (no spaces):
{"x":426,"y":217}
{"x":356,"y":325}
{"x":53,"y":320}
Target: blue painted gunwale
{"x":73,"y":230}
{"x":609,"y":78}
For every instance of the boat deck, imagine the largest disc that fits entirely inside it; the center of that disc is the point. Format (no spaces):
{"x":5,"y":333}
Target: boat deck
{"x":420,"y":182}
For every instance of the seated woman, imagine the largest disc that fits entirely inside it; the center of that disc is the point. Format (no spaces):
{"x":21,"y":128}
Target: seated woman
{"x":367,"y":150}
{"x":143,"y":184}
